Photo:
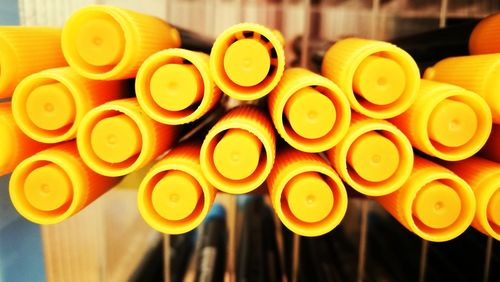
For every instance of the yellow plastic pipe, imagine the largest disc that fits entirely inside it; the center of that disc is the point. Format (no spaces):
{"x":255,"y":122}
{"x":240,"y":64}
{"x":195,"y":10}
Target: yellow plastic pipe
{"x":482,"y":175}
{"x":48,"y":106}
{"x":434,"y":203}
{"x":175,"y":196}
{"x":247,"y":61}
{"x":380,"y":80}
{"x":238,"y":152}
{"x":55,"y":184}
{"x":117,"y":138}
{"x":309,"y":111}
{"x":16,"y":146}
{"x":27,"y":50}
{"x":110,"y":43}
{"x":478,"y":74}
{"x":306,"y":193}
{"x":375,"y":158}
{"x":485,"y":38}
{"x":446,"y":121}
{"x":175,"y":86}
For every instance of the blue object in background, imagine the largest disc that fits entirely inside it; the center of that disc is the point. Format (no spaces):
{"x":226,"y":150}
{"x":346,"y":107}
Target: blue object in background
{"x":9,"y":13}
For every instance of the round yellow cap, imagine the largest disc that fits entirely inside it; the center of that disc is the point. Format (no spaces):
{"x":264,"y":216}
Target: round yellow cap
{"x":100,"y":41}
{"x":437,"y":205}
{"x":247,"y":62}
{"x":236,"y":156}
{"x":309,"y":197}
{"x":311,"y":114}
{"x":494,"y":208}
{"x":176,"y":195}
{"x":452,"y":123}
{"x":116,"y":139}
{"x":50,"y":106}
{"x":47,"y":188}
{"x":379,"y":80}
{"x":175,"y":87}
{"x":374,"y":157}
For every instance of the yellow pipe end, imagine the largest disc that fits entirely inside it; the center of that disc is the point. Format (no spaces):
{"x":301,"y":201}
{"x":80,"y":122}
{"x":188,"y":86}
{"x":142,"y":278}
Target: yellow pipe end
{"x":175,"y":87}
{"x":176,"y":195}
{"x":48,"y":188}
{"x":374,"y":157}
{"x":437,"y":205}
{"x":50,"y":106}
{"x":116,"y":139}
{"x":309,"y":197}
{"x":452,"y":123}
{"x":379,"y":80}
{"x":311,"y":114}
{"x":494,"y":209}
{"x":237,"y":154}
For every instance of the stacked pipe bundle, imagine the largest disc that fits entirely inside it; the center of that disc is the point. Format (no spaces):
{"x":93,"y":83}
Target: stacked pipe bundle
{"x":368,"y":122}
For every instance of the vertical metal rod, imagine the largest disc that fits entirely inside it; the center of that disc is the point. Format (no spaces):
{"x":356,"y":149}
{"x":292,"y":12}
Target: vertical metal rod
{"x":375,"y":18}
{"x":423,"y":260}
{"x":443,"y":13}
{"x":295,"y":257}
{"x":362,"y":241}
{"x":166,"y":258}
{"x":487,"y":259}
{"x":305,"y":37}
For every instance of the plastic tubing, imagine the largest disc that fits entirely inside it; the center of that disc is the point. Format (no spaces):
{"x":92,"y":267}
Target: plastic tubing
{"x":446,"y":121}
{"x":55,"y":184}
{"x":380,"y":79}
{"x":247,"y":61}
{"x":48,"y":106}
{"x":117,"y":138}
{"x":175,"y":196}
{"x":375,"y":158}
{"x":434,"y":203}
{"x":306,"y":193}
{"x":175,"y":86}
{"x":239,"y":150}
{"x":27,"y":50}
{"x":110,"y":43}
{"x":309,"y":111}
{"x":478,"y":74}
{"x":485,"y":38}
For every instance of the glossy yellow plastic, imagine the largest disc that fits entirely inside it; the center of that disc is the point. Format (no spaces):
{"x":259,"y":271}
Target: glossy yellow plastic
{"x":446,"y":121}
{"x":482,"y":175}
{"x":117,"y":138}
{"x":306,"y":193}
{"x":380,"y":79}
{"x":238,"y":152}
{"x":434,"y":203}
{"x":49,"y":105}
{"x":485,"y":38}
{"x":175,"y":196}
{"x":175,"y":86}
{"x":16,"y":146}
{"x":27,"y":50}
{"x":491,"y":150}
{"x":55,"y":184}
{"x":110,"y":43}
{"x":374,"y":158}
{"x":247,"y":61}
{"x":478,"y":74}
{"x":309,"y":111}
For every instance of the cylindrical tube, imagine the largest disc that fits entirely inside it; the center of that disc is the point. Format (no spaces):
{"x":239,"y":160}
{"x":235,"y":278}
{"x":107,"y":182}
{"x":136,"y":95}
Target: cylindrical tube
{"x":55,"y":184}
{"x":175,"y":86}
{"x":482,"y":175}
{"x":309,"y":111}
{"x":446,"y":121}
{"x":306,"y":193}
{"x":375,"y":158}
{"x":379,"y":79}
{"x":109,"y":43}
{"x":434,"y":203}
{"x":175,"y":196}
{"x":247,"y":61}
{"x":27,"y":50}
{"x":48,"y":106}
{"x":491,"y":150}
{"x":485,"y":38}
{"x":16,"y":146}
{"x":238,"y":152}
{"x":117,"y":138}
{"x":478,"y":74}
